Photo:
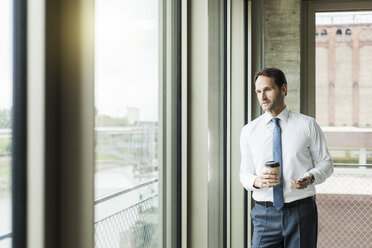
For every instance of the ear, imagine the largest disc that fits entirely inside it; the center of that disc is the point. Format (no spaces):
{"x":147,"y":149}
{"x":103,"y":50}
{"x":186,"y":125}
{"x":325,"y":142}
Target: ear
{"x":284,"y":89}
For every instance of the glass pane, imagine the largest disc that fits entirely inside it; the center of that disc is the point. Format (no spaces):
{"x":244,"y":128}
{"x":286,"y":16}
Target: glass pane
{"x":126,"y":102}
{"x":6,"y":83}
{"x":343,"y":109}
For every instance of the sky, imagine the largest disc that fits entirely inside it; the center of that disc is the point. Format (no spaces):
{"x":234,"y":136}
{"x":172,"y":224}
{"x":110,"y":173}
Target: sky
{"x":343,"y":17}
{"x":126,"y":57}
{"x":5,"y":54}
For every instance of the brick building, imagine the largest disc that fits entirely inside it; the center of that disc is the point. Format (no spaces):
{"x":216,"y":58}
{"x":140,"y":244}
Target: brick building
{"x":343,"y":82}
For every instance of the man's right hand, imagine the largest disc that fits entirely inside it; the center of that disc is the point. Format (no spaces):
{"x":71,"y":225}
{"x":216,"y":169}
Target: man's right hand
{"x":268,"y":179}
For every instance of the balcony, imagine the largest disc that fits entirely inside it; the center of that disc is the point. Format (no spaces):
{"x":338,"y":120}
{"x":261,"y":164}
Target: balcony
{"x":116,"y":227}
{"x":344,"y":203}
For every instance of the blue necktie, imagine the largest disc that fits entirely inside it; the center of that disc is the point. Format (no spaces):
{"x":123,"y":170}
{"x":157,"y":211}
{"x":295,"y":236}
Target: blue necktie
{"x":277,"y":156}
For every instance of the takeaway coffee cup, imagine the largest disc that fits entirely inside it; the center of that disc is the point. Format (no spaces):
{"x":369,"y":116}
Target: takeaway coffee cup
{"x":273,"y":166}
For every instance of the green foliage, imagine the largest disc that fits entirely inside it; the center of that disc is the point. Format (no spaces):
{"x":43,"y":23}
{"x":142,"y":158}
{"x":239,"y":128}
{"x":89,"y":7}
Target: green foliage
{"x":5,"y":118}
{"x":5,"y":147}
{"x":145,"y":234}
{"x":108,"y":121}
{"x":103,"y":156}
{"x":5,"y":171}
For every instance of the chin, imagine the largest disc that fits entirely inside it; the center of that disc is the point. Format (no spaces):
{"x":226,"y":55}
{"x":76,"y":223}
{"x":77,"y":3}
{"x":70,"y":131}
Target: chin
{"x":266,"y":108}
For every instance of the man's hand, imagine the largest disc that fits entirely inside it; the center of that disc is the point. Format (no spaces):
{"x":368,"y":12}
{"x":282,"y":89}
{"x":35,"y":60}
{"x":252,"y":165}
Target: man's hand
{"x":268,"y":179}
{"x":303,"y":182}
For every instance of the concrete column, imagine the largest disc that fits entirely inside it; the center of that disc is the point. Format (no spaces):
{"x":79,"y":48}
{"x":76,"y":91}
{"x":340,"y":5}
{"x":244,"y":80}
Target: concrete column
{"x":363,"y":156}
{"x":355,"y":77}
{"x":331,"y":79}
{"x":282,"y":44}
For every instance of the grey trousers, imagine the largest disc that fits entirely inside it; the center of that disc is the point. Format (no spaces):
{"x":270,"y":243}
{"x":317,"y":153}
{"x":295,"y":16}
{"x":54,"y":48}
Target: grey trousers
{"x":291,"y":227}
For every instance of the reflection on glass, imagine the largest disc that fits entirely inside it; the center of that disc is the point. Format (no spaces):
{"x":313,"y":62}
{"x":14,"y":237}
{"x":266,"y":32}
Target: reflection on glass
{"x":343,"y":110}
{"x":6,"y":83}
{"x":126,"y":102}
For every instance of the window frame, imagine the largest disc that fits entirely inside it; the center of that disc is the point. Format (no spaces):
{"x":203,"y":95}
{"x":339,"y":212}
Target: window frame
{"x":171,"y":122}
{"x":19,"y":125}
{"x":309,"y":8}
{"x":60,"y":151}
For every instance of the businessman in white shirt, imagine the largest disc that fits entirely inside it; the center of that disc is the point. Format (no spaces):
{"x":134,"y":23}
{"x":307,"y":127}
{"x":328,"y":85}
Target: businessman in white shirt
{"x":285,"y":213}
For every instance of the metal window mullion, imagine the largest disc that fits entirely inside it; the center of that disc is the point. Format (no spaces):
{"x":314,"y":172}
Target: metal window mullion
{"x":240,"y":75}
{"x":169,"y":124}
{"x":217,"y":123}
{"x":228,"y":123}
{"x":19,"y":125}
{"x":173,"y":114}
{"x":36,"y":123}
{"x":184,"y":121}
{"x":162,"y":127}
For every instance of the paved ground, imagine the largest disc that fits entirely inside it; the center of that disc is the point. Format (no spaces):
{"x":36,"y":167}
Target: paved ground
{"x":345,"y":221}
{"x":345,"y":209}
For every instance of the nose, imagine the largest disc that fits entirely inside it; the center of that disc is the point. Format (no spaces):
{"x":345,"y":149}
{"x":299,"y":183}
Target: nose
{"x":263,"y":96}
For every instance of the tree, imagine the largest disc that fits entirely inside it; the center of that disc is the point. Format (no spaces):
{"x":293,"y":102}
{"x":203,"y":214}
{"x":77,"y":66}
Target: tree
{"x":5,"y":118}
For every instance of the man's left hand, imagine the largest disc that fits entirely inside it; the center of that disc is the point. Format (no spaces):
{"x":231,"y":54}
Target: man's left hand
{"x":303,"y":182}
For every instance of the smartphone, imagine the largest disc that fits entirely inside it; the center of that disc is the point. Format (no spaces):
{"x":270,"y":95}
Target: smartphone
{"x":302,"y":179}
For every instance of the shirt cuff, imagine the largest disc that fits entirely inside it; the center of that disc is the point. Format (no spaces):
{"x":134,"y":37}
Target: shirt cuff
{"x":317,"y":175}
{"x":248,"y":181}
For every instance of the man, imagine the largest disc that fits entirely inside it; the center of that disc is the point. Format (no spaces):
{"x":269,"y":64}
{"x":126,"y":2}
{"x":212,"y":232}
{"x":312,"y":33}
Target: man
{"x":285,"y":213}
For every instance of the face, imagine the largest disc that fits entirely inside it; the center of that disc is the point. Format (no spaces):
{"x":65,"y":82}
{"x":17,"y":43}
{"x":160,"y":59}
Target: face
{"x":269,"y":95}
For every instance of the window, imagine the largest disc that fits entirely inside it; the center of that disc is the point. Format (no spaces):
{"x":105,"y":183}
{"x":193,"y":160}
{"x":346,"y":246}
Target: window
{"x":127,"y":123}
{"x":343,"y":91}
{"x":6,"y":83}
{"x":363,"y":34}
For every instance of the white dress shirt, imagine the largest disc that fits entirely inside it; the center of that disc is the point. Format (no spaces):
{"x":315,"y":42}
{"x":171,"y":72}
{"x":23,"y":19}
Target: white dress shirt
{"x":303,"y":149}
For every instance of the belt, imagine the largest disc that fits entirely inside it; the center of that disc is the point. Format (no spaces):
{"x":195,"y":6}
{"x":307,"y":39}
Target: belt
{"x":289,"y":204}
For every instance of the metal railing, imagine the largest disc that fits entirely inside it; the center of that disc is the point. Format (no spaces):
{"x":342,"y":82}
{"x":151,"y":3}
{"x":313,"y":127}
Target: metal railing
{"x":337,"y":165}
{"x":344,"y":207}
{"x":344,"y":204}
{"x":135,"y":226}
{"x":6,"y":235}
{"x":119,"y":193}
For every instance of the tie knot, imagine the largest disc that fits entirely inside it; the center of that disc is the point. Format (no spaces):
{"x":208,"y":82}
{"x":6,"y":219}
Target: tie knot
{"x":276,"y":121}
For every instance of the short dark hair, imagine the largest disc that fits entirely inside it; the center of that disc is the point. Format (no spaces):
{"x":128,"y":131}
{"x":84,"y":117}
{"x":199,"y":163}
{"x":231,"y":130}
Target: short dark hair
{"x":272,"y":72}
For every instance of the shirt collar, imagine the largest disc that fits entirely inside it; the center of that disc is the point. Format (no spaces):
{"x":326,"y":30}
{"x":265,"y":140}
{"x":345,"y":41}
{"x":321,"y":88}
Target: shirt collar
{"x":283,"y":116}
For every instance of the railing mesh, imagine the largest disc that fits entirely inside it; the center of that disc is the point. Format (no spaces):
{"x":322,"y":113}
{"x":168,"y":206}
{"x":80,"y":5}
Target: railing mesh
{"x":135,"y":227}
{"x":344,"y":206}
{"x":345,"y":209}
